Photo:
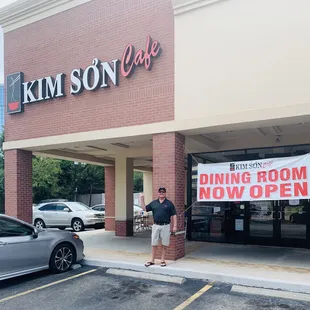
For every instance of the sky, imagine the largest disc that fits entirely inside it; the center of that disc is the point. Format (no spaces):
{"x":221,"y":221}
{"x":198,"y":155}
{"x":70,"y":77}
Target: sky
{"x":2,"y":4}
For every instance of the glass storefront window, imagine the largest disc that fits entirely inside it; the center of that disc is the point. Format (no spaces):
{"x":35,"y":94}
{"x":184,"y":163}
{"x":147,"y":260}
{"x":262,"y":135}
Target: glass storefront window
{"x":208,"y":221}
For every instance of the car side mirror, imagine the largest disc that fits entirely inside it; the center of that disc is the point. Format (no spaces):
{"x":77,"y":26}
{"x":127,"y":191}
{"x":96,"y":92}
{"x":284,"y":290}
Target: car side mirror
{"x":66,"y":210}
{"x":35,"y":233}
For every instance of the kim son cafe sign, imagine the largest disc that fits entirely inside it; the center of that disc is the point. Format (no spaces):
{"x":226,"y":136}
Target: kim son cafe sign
{"x":97,"y":75}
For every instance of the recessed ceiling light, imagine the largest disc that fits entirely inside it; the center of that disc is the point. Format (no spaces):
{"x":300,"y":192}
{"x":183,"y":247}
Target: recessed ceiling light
{"x":121,"y":145}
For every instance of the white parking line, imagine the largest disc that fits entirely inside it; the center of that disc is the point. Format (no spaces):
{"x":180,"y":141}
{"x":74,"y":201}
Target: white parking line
{"x":270,"y":293}
{"x":46,"y":286}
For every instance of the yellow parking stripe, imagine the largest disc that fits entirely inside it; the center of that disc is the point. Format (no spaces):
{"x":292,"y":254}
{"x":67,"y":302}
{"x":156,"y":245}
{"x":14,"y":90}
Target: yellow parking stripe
{"x":46,"y":286}
{"x":193,"y":297}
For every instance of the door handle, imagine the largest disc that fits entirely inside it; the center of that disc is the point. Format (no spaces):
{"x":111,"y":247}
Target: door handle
{"x":281,"y":215}
{"x":2,"y":244}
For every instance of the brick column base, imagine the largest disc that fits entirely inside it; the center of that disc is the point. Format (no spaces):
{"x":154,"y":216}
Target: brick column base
{"x":18,"y":184}
{"x":175,"y":250}
{"x":109,"y":224}
{"x":124,"y":228}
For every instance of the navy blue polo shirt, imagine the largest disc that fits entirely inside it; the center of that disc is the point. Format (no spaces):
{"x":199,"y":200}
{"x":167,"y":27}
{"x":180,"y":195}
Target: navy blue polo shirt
{"x":162,"y":212}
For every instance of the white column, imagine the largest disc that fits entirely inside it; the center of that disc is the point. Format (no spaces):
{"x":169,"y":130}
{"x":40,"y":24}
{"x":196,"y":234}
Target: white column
{"x":148,"y":186}
{"x":123,"y":188}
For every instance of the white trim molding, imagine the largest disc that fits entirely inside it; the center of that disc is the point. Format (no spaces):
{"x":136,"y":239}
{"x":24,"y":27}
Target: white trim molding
{"x":184,"y":6}
{"x":24,"y":12}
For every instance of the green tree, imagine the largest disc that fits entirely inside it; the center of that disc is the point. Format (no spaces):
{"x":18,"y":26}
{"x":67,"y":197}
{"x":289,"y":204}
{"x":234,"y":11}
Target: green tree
{"x":45,"y":176}
{"x":137,"y":182}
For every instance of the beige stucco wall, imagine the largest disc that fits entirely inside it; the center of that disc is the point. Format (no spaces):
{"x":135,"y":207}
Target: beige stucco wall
{"x":238,"y":55}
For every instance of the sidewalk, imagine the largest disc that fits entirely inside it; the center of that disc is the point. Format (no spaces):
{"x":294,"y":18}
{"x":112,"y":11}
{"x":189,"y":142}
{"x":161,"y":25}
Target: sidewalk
{"x":266,"y":267}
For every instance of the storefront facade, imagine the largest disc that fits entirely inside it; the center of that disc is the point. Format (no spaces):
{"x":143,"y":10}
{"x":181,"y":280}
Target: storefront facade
{"x":142,"y":84}
{"x":277,"y":222}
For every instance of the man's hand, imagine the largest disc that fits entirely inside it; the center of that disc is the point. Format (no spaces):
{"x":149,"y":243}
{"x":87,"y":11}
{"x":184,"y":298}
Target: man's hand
{"x":142,"y":202}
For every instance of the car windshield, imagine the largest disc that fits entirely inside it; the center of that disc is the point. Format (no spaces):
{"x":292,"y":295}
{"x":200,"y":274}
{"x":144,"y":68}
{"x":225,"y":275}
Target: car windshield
{"x":78,"y":206}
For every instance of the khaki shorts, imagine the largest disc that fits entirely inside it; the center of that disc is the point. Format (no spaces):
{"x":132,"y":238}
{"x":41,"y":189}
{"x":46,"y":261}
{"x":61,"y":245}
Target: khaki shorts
{"x":161,"y":232}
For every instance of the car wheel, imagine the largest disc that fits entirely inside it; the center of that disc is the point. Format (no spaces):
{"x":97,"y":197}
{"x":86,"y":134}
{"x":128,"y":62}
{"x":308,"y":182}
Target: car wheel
{"x":292,"y":220}
{"x":77,"y":225}
{"x":39,"y":224}
{"x":62,"y":258}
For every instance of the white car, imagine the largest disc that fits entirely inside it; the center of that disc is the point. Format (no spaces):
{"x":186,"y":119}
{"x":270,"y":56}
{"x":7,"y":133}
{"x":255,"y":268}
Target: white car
{"x":67,"y":214}
{"x":138,"y":211}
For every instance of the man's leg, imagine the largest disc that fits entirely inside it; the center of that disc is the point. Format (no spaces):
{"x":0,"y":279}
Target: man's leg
{"x":154,"y":249}
{"x":163,"y":252}
{"x":165,"y":241}
{"x":155,"y":239}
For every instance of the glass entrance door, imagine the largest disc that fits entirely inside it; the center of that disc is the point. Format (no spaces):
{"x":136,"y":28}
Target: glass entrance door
{"x":279,"y":223}
{"x":262,"y":217}
{"x":292,"y":222}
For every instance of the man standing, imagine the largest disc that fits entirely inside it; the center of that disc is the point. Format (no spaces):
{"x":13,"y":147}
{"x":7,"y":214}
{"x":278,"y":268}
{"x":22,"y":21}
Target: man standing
{"x":163,"y":210}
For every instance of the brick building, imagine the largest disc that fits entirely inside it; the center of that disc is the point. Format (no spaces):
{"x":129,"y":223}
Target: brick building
{"x":143,"y":84}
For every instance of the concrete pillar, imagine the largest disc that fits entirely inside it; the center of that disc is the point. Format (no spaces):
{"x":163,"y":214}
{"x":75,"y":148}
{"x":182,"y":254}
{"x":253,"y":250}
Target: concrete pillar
{"x":148,"y":186}
{"x":123,"y":196}
{"x":109,"y":174}
{"x":18,"y":184}
{"x":168,"y":171}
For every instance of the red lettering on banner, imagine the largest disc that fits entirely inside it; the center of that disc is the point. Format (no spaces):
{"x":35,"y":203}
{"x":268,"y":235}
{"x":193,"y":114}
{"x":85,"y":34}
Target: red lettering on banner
{"x":262,"y":176}
{"x":301,"y":189}
{"x":256,"y":191}
{"x":219,"y":178}
{"x":273,"y":175}
{"x":218,"y":192}
{"x":285,"y":190}
{"x":204,"y":193}
{"x":203,"y":179}
{"x":271,"y":188}
{"x":299,"y":174}
{"x":235,"y":178}
{"x":285,"y":174}
{"x":235,"y":192}
{"x":246,"y":178}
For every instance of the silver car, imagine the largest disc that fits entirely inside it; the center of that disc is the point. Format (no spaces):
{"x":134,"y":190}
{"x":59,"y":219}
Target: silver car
{"x":25,"y":249}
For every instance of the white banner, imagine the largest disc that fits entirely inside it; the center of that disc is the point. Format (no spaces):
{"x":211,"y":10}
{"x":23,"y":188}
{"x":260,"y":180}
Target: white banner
{"x":265,"y":179}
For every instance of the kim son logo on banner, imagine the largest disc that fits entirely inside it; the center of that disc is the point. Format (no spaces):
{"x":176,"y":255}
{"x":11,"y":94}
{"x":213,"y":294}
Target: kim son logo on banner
{"x":97,"y":75}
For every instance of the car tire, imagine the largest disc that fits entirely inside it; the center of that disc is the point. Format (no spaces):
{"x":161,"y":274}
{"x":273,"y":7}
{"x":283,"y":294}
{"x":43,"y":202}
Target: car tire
{"x":77,"y":225}
{"x":62,"y":258}
{"x":292,"y":220}
{"x":38,"y":223}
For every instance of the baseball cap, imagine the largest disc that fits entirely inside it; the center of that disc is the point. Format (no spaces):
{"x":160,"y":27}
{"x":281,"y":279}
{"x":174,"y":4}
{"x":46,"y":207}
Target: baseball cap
{"x":162,"y":189}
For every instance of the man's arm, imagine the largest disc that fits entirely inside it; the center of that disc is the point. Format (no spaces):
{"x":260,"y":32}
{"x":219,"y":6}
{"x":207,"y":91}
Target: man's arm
{"x":143,"y":206}
{"x":174,"y":218}
{"x":175,"y":223}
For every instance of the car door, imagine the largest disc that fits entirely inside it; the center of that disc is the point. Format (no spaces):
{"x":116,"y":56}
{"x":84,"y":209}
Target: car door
{"x":20,"y":250}
{"x":63,"y":217}
{"x":48,"y":214}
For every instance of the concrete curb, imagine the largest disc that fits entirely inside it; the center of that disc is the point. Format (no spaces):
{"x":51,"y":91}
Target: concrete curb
{"x":270,"y":293}
{"x":146,"y":275}
{"x":297,"y":287}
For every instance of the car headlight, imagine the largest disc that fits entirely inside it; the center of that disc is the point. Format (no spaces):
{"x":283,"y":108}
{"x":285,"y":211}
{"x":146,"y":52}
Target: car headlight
{"x":89,"y":215}
{"x":75,"y":236}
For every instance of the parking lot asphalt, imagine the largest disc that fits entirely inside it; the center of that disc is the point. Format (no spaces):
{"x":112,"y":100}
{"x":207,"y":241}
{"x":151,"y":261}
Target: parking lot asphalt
{"x":91,"y":288}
